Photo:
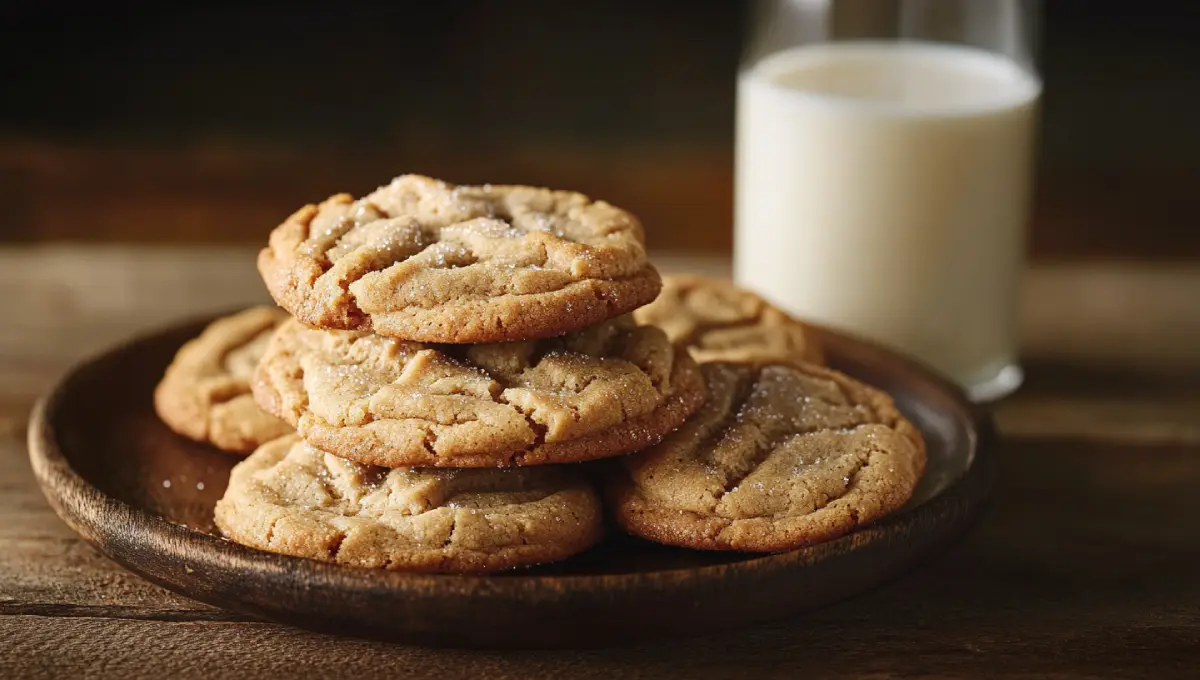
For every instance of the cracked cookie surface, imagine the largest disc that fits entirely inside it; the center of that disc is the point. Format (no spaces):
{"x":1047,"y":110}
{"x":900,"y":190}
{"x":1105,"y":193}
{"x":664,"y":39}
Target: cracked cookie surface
{"x":718,"y":321}
{"x":290,"y":498}
{"x":781,"y":456}
{"x":205,"y":392}
{"x":607,"y":390}
{"x":420,"y":259}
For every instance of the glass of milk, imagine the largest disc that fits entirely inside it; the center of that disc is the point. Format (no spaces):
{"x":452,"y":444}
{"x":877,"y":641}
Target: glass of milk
{"x":883,"y":168}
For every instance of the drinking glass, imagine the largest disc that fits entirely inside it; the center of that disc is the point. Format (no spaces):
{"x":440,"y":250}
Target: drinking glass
{"x":884,"y":161}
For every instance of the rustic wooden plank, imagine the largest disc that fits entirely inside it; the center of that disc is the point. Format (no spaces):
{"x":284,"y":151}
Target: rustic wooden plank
{"x":73,"y":302}
{"x":57,"y":648}
{"x":1085,"y":567}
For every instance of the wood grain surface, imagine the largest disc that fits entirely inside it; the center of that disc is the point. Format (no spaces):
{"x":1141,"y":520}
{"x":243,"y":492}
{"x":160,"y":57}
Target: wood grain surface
{"x":1084,"y":567}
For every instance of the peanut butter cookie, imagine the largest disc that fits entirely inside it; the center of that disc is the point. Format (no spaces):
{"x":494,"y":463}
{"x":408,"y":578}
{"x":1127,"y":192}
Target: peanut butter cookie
{"x":607,"y":390}
{"x":205,"y":393}
{"x":423,"y":260}
{"x":289,"y":498}
{"x":781,"y":456}
{"x":717,"y":321}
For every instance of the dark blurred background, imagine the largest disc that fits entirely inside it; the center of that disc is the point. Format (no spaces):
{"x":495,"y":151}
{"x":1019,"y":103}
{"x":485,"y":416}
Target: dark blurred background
{"x":210,"y":122}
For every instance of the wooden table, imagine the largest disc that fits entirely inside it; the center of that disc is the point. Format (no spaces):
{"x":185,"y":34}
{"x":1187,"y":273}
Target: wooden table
{"x":1087,"y":565}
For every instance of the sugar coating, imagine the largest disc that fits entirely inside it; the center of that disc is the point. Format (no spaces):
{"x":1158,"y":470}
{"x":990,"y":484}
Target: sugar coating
{"x":781,"y":456}
{"x":424,"y":260}
{"x":290,"y":498}
{"x":205,"y":392}
{"x":606,"y":390}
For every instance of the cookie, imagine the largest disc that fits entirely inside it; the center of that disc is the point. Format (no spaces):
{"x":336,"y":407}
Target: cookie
{"x":607,"y":390}
{"x":781,"y":456}
{"x":717,"y":321}
{"x":423,"y":260}
{"x":290,"y":498}
{"x":205,"y":393}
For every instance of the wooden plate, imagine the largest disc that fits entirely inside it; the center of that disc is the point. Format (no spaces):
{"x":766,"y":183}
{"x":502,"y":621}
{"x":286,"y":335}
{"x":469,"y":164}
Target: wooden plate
{"x":144,"y":496}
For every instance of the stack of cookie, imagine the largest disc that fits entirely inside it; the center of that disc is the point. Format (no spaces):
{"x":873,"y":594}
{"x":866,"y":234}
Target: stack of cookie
{"x":457,"y":351}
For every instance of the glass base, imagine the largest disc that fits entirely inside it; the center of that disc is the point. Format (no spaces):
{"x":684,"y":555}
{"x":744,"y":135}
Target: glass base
{"x":996,"y":384}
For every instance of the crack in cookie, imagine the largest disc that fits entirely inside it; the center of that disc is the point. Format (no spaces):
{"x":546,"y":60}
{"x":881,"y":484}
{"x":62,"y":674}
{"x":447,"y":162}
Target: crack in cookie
{"x":205,"y":392}
{"x":782,"y":455}
{"x":290,"y":498}
{"x":423,"y":260}
{"x":717,"y":321}
{"x":606,"y":390}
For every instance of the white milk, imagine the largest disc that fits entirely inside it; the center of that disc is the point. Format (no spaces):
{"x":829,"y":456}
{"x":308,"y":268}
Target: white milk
{"x":882,"y":188}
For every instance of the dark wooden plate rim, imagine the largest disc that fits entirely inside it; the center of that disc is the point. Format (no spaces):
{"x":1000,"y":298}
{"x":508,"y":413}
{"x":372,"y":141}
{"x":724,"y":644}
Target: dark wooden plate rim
{"x":93,"y":514}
